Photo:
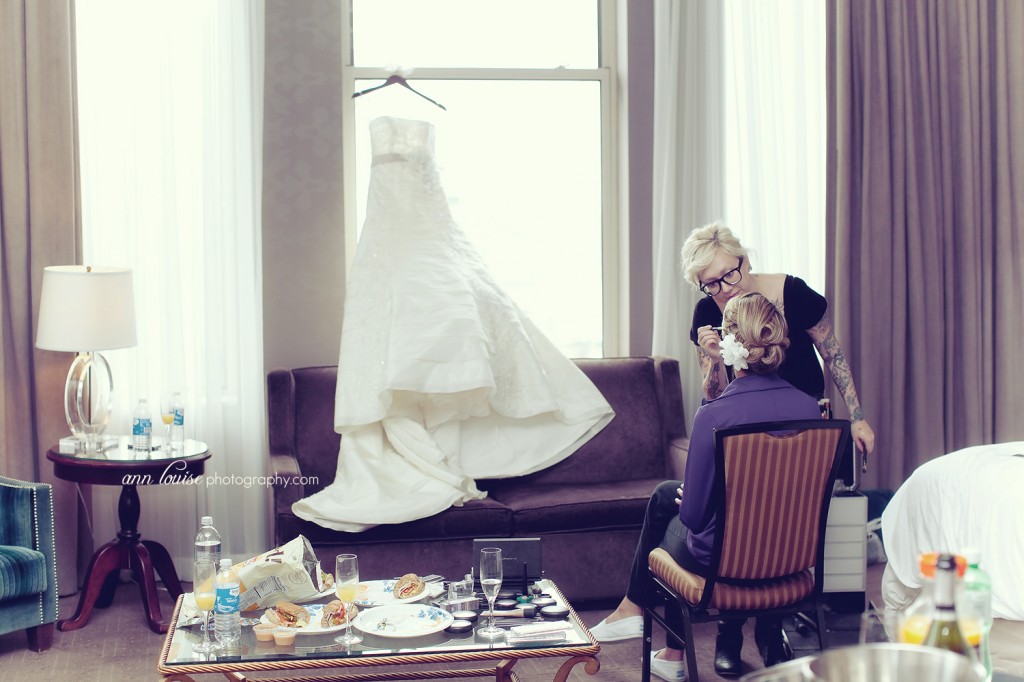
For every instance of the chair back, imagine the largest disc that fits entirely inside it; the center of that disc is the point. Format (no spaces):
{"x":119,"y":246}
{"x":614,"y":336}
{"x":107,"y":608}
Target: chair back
{"x":774,"y":482}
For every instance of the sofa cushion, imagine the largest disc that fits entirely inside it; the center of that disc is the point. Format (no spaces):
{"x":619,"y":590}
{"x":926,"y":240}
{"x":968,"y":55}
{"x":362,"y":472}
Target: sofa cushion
{"x":475,"y":518}
{"x":22,"y":572}
{"x":596,"y":506}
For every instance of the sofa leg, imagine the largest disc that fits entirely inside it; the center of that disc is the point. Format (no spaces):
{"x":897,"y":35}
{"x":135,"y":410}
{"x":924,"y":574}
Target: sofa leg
{"x":40,"y":637}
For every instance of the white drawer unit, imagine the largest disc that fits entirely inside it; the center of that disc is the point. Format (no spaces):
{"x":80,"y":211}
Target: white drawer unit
{"x":846,"y":564}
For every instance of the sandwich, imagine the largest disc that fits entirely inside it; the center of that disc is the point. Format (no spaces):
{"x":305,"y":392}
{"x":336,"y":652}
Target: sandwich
{"x":288,"y":614}
{"x":408,"y":586}
{"x":337,"y":613}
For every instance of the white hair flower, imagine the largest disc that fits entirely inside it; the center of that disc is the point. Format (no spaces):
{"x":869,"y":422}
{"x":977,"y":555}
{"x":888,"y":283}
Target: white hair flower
{"x":733,"y":352}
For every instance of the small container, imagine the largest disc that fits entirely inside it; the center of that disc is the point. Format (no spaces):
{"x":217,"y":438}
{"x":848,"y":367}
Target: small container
{"x":264,"y":632}
{"x":507,"y":594}
{"x":471,"y":616}
{"x":458,"y":626}
{"x":284,"y":636}
{"x":541,"y":602}
{"x":505,"y":604}
{"x":554,"y":612}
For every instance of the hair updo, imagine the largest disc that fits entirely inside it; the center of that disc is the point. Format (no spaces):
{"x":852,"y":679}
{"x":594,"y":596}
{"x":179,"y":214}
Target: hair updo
{"x":761,"y":328}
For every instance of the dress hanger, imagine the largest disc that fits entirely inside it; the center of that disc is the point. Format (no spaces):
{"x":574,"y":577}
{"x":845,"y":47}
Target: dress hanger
{"x":400,"y":80}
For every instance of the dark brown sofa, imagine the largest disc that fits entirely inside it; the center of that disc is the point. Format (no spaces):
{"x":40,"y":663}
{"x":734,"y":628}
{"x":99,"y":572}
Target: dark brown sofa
{"x":588,"y":508}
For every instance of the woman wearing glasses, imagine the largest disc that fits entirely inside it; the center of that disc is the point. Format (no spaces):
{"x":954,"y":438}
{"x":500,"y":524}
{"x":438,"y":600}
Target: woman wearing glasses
{"x":715,"y":262}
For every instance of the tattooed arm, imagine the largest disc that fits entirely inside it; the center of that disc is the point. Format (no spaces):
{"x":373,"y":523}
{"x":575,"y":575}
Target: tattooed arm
{"x":832,"y":353}
{"x":711,"y":367}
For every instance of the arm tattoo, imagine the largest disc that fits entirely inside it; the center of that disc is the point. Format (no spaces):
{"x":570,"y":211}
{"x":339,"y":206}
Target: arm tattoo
{"x":832,"y":353}
{"x":712,"y":382}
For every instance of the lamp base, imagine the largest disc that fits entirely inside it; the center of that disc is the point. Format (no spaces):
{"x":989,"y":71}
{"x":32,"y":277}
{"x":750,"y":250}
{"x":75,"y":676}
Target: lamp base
{"x":87,"y":399}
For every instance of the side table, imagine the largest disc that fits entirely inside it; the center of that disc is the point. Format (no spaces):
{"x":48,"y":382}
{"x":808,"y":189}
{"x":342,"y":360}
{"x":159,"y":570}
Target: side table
{"x":118,"y":464}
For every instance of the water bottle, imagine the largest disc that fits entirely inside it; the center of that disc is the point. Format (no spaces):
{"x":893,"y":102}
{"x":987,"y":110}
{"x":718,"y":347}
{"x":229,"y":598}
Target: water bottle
{"x":178,"y":424}
{"x":226,"y":621}
{"x":977,"y":603}
{"x":142,"y":427}
{"x":207,"y":547}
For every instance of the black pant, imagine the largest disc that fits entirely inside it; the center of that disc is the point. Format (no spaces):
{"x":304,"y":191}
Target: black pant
{"x":662,"y":528}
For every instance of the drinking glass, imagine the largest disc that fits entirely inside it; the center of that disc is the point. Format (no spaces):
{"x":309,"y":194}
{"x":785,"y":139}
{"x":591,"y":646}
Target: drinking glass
{"x":167,"y":416}
{"x":879,"y":626}
{"x":490,"y":582}
{"x":346,"y":585}
{"x":204,"y":590}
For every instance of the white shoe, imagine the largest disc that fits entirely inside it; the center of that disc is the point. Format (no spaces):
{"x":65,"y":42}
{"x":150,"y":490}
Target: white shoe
{"x":673,"y":671}
{"x":626,"y":628}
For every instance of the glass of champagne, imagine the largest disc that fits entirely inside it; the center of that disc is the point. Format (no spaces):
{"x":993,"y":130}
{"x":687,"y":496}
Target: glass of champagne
{"x":204,"y":590}
{"x":490,"y":582}
{"x":346,"y":586}
{"x":167,"y":416}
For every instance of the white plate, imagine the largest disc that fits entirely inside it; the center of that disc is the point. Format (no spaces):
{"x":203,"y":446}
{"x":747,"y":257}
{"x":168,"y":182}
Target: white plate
{"x":403,"y":620}
{"x":313,"y":626}
{"x":382,"y":593}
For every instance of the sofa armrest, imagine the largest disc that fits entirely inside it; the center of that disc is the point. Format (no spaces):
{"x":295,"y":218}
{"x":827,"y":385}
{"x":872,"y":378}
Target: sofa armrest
{"x":29,"y":506}
{"x":287,"y":481}
{"x":678,"y":449}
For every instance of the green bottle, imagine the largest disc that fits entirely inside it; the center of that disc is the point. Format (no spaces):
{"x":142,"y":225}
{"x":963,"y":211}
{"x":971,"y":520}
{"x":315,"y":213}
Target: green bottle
{"x":944,"y":632}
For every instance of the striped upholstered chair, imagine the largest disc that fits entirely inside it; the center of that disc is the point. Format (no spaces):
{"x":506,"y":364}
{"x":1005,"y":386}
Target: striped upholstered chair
{"x":773,"y":494}
{"x":28,"y":566}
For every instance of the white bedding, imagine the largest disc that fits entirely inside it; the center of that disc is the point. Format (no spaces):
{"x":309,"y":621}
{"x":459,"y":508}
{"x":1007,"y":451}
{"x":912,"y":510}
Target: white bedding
{"x":971,"y":497}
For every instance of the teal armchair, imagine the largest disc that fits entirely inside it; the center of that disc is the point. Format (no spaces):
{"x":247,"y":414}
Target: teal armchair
{"x":28,"y":563}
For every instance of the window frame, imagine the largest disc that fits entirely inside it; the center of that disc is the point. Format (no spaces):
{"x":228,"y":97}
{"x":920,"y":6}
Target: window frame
{"x":612,"y":240}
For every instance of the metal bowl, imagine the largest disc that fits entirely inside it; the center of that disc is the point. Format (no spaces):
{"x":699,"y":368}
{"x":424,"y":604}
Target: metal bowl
{"x":872,"y":663}
{"x":891,"y":663}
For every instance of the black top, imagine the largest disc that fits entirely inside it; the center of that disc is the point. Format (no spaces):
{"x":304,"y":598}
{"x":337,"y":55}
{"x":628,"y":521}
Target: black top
{"x":803,"y":307}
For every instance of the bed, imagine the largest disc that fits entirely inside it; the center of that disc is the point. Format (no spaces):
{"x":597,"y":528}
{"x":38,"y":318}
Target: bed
{"x":970,"y":497}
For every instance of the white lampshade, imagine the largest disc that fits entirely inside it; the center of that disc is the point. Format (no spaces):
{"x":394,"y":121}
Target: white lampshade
{"x":85,"y":308}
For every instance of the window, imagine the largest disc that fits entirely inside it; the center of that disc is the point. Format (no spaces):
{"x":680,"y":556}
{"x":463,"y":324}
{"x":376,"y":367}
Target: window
{"x":525,"y":148}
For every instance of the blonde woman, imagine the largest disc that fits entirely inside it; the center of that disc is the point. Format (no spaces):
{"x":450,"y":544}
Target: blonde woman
{"x":716,"y":263}
{"x":754,"y":346}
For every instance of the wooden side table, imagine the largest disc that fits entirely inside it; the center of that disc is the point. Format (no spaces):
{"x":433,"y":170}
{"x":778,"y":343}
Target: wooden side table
{"x":119,"y":464}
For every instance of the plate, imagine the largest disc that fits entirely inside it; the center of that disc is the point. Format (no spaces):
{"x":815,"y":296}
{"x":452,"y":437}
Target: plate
{"x":313,"y":626}
{"x":382,"y":593}
{"x":403,"y":620}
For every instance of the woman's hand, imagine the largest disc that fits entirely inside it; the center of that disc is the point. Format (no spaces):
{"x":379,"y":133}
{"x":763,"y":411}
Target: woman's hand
{"x":679,"y":492}
{"x":863,"y":436}
{"x":708,"y":340}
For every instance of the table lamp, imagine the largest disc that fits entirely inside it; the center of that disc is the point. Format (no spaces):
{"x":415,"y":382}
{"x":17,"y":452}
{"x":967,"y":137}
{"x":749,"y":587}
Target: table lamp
{"x":85,"y":309}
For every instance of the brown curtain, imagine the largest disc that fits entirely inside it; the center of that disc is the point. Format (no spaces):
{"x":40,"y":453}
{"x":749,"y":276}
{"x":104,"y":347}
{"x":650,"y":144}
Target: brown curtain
{"x":38,"y":227}
{"x":925,"y":205}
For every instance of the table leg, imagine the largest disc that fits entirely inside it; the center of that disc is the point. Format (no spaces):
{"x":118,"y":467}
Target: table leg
{"x":106,"y":595}
{"x":164,"y":567}
{"x":593,"y":665}
{"x":108,"y":558}
{"x":142,"y":567}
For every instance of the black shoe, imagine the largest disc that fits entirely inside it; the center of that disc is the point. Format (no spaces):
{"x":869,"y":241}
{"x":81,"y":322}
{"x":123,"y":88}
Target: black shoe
{"x":727,"y":654}
{"x":774,"y":648}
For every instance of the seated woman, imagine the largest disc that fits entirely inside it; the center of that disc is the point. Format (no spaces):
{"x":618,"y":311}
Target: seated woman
{"x":754,"y":345}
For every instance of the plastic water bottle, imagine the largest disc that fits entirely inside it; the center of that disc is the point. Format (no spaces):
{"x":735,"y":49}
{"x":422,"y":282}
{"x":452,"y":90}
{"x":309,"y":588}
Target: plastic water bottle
{"x":178,"y":424}
{"x":207,"y":547}
{"x":142,"y":427}
{"x":977,"y":602}
{"x":226,"y":620}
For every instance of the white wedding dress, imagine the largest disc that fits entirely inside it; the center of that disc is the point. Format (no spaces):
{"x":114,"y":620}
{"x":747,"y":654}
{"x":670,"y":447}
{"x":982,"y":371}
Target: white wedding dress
{"x":441,"y":378}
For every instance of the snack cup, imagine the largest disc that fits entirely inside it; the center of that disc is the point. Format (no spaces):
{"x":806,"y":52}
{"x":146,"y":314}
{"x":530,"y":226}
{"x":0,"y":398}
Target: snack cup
{"x":264,"y":632}
{"x":284,"y":636}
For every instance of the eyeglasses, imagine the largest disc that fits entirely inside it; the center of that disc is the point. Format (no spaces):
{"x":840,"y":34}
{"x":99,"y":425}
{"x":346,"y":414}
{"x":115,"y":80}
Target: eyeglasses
{"x":732,"y":277}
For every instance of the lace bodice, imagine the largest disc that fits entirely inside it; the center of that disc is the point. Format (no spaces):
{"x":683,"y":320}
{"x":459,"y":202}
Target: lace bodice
{"x":398,"y":138}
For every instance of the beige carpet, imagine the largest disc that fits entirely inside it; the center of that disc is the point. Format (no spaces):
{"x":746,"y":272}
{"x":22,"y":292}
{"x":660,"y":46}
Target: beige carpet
{"x":117,"y":645}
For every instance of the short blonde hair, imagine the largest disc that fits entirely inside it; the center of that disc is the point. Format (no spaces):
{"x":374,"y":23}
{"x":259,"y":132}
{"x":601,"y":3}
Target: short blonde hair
{"x":761,"y":328}
{"x":703,"y":244}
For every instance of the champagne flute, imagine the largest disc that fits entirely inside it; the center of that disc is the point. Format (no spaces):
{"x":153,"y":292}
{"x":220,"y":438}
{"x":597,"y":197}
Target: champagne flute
{"x":167,"y":416}
{"x":346,"y":585}
{"x":490,"y":582}
{"x":204,"y":590}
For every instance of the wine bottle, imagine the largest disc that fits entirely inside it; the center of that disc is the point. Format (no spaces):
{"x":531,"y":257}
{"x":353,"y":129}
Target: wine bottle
{"x":944,"y":632}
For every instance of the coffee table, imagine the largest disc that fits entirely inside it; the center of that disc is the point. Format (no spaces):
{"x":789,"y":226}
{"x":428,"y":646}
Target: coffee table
{"x":435,"y":656}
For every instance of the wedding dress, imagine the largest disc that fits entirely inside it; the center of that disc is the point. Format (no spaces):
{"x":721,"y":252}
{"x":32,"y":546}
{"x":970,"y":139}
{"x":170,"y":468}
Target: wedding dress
{"x":441,"y":378}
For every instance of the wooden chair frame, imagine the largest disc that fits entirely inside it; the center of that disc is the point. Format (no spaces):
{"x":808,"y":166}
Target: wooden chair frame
{"x":703,"y":611}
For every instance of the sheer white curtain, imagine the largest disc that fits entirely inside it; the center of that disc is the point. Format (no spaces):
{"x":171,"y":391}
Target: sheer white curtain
{"x":170,"y":125}
{"x":739,"y":124}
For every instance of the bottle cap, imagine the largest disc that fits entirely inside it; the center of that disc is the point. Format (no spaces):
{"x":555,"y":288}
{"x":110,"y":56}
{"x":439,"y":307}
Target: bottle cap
{"x":225,"y":563}
{"x":928,"y":561}
{"x":206,"y":521}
